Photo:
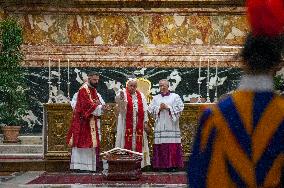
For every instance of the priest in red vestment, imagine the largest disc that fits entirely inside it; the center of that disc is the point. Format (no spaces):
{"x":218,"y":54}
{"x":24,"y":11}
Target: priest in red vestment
{"x":84,"y":133}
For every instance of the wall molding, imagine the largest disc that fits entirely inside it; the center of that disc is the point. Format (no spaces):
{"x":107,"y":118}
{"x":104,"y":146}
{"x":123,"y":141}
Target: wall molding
{"x":124,"y":6}
{"x":126,"y":3}
{"x":131,"y":56}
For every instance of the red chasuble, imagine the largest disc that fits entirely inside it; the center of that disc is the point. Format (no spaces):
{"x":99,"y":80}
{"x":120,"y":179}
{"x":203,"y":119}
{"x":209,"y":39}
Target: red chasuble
{"x":84,"y":131}
{"x":129,"y":123}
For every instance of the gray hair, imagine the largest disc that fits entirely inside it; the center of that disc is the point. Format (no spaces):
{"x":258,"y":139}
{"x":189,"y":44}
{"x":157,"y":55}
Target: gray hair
{"x":131,"y":80}
{"x":165,"y":80}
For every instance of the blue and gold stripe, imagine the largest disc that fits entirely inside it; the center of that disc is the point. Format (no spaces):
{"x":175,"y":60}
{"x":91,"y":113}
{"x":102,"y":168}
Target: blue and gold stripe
{"x":240,"y":142}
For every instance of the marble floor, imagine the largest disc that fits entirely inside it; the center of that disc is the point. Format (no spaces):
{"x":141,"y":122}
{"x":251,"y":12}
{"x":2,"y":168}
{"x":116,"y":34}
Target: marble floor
{"x":20,"y":179}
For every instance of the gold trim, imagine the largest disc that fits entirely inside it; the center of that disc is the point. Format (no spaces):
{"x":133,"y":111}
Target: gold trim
{"x":93,"y":131}
{"x":56,"y":147}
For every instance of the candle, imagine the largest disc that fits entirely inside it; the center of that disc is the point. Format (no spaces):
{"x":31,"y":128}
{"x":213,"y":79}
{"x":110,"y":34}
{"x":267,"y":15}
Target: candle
{"x":216,"y":90}
{"x":199,"y":81}
{"x":49,"y":82}
{"x":199,"y":70}
{"x":68,"y":82}
{"x":68,"y":71}
{"x":59,"y":75}
{"x":216,"y":73}
{"x":58,"y":70}
{"x":208,"y":73}
{"x":49,"y":69}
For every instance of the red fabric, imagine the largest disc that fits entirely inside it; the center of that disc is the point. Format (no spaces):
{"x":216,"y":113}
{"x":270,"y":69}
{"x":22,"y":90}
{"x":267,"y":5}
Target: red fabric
{"x":80,"y":125}
{"x":129,"y":123}
{"x":166,"y":94}
{"x":167,"y":155}
{"x":98,"y":179}
{"x":266,"y":16}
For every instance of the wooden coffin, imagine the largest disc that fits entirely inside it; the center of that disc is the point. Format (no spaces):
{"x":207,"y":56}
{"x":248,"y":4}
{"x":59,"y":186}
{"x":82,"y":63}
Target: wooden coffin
{"x":122,"y":165}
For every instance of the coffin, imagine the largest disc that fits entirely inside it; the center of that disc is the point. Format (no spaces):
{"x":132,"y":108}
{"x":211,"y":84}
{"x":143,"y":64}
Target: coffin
{"x":121,"y":164}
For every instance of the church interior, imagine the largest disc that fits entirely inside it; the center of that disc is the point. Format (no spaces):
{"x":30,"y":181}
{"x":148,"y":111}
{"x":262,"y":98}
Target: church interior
{"x":194,"y":44}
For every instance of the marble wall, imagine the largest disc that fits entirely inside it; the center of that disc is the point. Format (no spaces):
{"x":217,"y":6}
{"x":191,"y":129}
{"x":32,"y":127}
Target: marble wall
{"x":132,"y":28}
{"x":182,"y":81}
{"x":152,"y":42}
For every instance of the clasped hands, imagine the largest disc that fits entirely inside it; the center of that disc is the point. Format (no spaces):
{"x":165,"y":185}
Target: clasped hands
{"x":163,"y":106}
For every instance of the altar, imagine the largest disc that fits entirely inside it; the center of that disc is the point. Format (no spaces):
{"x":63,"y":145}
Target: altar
{"x":57,"y":118}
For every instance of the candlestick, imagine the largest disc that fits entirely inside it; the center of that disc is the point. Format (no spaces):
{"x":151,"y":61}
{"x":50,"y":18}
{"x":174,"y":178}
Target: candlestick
{"x":49,"y":69}
{"x":208,"y":76}
{"x":58,"y":76}
{"x":68,"y":70}
{"x":49,"y":82}
{"x":68,"y":82}
{"x":199,"y":81}
{"x":199,"y":69}
{"x":208,"y":71}
{"x":216,"y":73}
{"x":216,"y":84}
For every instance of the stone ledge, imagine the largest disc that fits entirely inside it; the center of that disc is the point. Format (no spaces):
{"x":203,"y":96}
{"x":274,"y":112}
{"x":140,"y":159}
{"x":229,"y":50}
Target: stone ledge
{"x":43,"y":165}
{"x":131,"y":56}
{"x":17,"y":165}
{"x":26,"y":140}
{"x":20,"y":156}
{"x":18,"y":149}
{"x":145,"y":4}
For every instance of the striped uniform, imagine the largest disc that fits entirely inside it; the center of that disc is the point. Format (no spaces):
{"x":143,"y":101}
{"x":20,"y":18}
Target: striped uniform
{"x":240,"y":142}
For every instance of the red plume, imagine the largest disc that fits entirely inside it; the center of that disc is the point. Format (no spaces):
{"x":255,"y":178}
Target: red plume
{"x":266,"y":17}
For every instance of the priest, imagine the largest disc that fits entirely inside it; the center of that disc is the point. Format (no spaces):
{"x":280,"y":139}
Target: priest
{"x":84,"y":133}
{"x":166,"y":108}
{"x":132,"y":121}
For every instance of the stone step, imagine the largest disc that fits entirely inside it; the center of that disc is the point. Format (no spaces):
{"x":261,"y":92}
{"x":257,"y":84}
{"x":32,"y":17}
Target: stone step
{"x":20,"y":149}
{"x":37,"y":140}
{"x":20,"y":156}
{"x":27,"y":139}
{"x":22,"y":165}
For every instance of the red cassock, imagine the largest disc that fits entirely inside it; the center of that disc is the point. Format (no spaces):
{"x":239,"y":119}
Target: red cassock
{"x":83,"y":132}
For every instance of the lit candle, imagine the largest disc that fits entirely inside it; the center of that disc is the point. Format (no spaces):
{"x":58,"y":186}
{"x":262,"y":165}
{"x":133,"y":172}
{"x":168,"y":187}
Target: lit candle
{"x":49,"y":69}
{"x":68,"y":71}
